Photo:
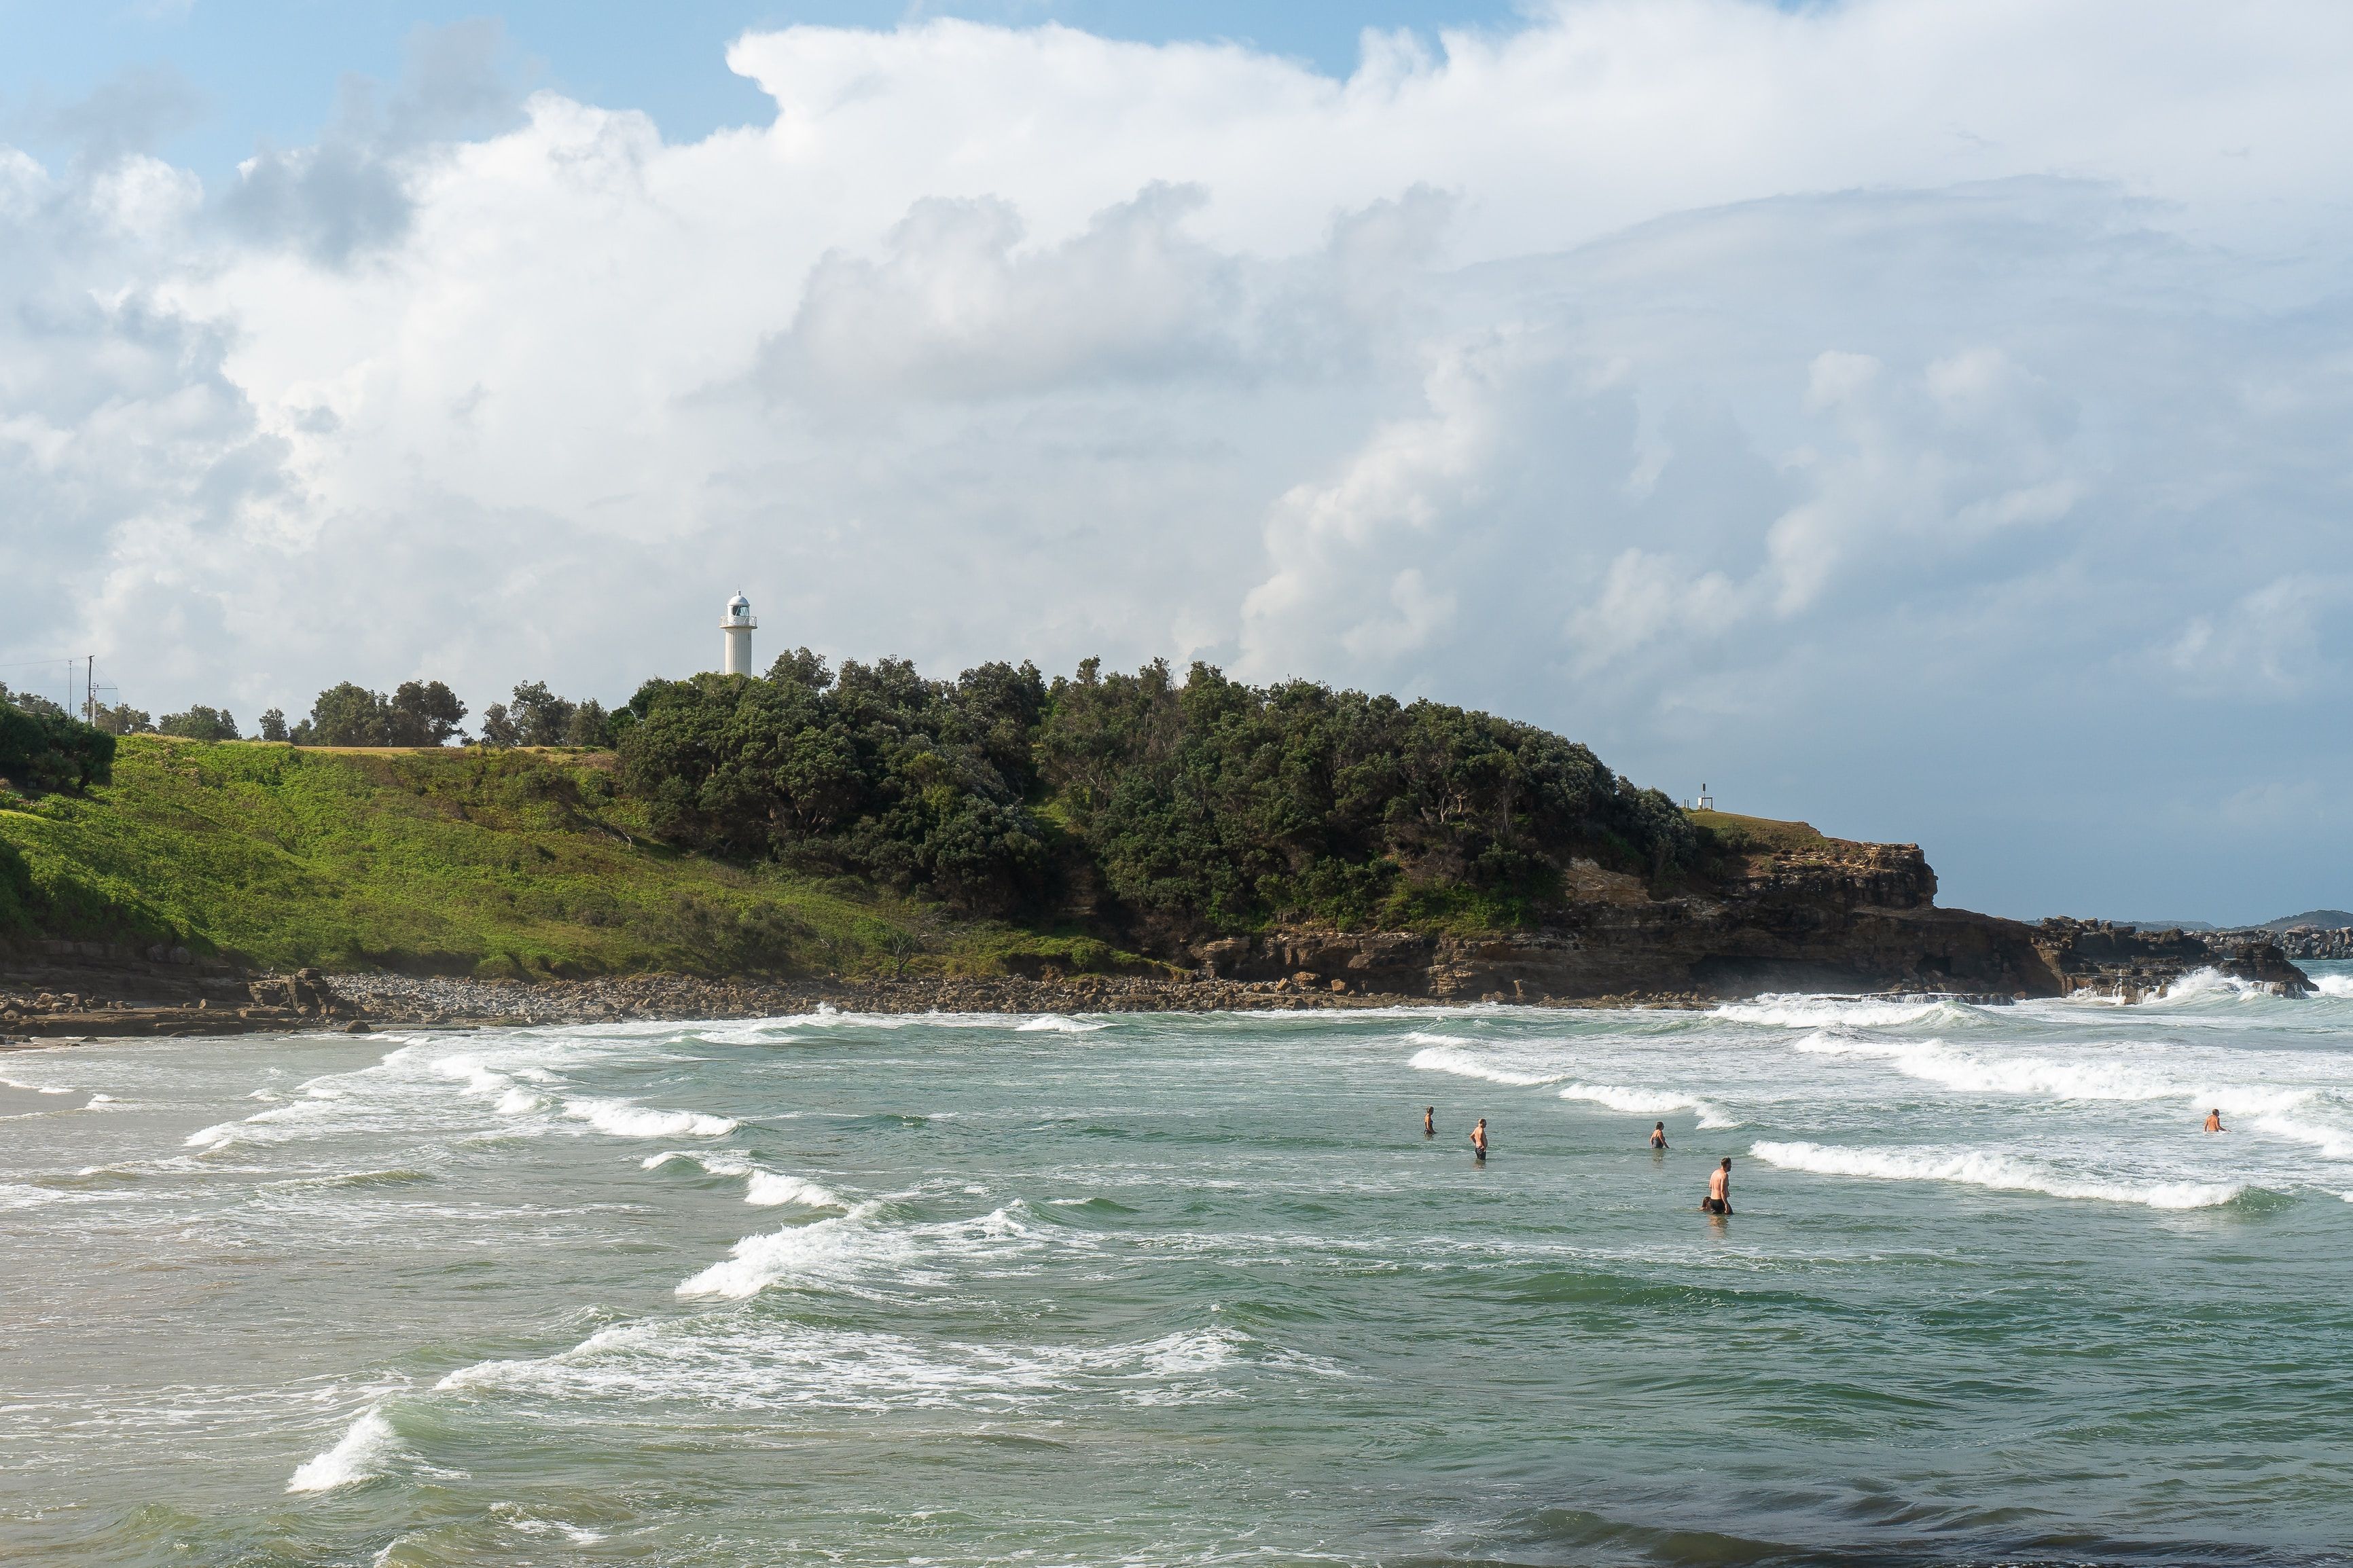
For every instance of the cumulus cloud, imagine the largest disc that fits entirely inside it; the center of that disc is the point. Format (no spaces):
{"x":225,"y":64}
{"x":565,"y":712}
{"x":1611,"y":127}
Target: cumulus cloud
{"x":1762,"y":393}
{"x":347,"y":195}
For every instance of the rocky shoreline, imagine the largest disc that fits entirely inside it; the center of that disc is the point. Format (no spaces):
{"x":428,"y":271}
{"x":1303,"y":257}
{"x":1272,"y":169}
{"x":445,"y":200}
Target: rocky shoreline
{"x":310,"y":1000}
{"x":1855,"y":920}
{"x":168,"y":997}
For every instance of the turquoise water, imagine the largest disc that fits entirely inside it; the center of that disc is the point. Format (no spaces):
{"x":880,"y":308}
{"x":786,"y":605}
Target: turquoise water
{"x":1175,"y":1289}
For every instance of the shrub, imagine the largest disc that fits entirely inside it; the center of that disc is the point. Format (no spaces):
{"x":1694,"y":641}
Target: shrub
{"x":48,"y":750}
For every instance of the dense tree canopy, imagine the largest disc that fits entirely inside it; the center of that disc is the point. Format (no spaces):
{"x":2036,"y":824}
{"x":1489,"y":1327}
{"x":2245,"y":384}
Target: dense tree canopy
{"x":915,"y":782}
{"x":417,"y":713}
{"x":1239,"y":802}
{"x":538,"y":716}
{"x":1204,"y":802}
{"x":200,"y":724}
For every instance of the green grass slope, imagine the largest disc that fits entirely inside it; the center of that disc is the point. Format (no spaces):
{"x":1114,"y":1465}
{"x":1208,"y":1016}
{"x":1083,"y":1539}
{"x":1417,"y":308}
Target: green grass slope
{"x":513,"y":863}
{"x":1759,"y":834}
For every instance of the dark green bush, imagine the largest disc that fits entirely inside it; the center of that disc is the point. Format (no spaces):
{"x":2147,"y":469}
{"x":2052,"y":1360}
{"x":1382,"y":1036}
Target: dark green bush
{"x":48,"y":750}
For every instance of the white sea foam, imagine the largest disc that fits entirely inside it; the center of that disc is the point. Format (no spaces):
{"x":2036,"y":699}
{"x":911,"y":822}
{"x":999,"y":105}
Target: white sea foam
{"x":764,"y":1188}
{"x":750,"y":1365}
{"x":624,"y":1119}
{"x":2331,"y":1142}
{"x":1649,"y":1103}
{"x":717,"y":1163}
{"x":33,"y":1088}
{"x":573,"y":1534}
{"x":214,"y":1137}
{"x":1987,"y":1168}
{"x":2210,"y":981}
{"x":1055,"y":1024}
{"x":2333,"y":984}
{"x":1932,"y":1061}
{"x":1443,"y":1053}
{"x":2127,"y":1078}
{"x":477,"y":1079}
{"x":770,"y":1189}
{"x":827,"y":1248}
{"x":366,"y":1448}
{"x":1793,"y":1011}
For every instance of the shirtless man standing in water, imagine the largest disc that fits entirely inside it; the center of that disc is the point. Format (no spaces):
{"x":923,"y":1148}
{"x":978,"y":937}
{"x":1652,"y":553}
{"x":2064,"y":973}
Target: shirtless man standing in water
{"x":1479,"y":1140}
{"x":2214,"y":1120}
{"x":1429,"y":1122}
{"x":1719,"y":1189}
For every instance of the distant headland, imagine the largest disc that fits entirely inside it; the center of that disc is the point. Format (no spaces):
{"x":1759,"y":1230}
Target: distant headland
{"x":997,"y":840}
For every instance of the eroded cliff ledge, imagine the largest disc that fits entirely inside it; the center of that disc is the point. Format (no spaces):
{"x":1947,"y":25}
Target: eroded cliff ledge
{"x":1786,"y":908}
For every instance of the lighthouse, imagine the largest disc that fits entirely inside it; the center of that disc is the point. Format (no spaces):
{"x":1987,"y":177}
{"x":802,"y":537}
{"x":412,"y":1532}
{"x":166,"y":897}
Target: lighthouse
{"x":738,"y":626}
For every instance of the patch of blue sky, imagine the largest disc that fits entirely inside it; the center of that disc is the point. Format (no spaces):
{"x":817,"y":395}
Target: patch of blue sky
{"x":202,"y":83}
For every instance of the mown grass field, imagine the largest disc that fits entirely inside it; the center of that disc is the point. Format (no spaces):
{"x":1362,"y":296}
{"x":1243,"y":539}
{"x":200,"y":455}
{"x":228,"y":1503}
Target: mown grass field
{"x":522,"y":863}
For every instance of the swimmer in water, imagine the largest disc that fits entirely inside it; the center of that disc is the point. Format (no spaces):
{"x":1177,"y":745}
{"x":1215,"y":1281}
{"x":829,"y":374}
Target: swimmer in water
{"x":1659,"y":1136}
{"x":1479,"y":1140}
{"x":1719,"y":1189}
{"x":1429,"y":1122}
{"x":2214,"y":1120}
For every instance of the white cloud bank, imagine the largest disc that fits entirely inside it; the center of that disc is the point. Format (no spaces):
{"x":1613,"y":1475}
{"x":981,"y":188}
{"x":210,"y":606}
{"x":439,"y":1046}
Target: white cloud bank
{"x":1926,"y":415}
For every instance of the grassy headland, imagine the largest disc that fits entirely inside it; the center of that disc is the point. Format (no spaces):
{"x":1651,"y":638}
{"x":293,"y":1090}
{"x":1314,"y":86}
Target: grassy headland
{"x":439,"y":860}
{"x":813,"y":822}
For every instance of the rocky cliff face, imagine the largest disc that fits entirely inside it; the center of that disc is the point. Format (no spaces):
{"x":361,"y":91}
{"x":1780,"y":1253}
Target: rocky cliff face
{"x":1829,"y":915}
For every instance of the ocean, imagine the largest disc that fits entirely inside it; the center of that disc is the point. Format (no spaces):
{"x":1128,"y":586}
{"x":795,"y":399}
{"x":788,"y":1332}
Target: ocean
{"x":1150,"y":1288}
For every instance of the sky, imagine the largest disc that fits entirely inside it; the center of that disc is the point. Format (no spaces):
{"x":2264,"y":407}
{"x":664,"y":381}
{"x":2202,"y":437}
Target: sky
{"x":1926,"y":419}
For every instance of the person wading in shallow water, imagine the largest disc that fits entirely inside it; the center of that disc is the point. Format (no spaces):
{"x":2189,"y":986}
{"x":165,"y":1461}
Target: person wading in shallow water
{"x":1479,"y":1140}
{"x":2214,"y":1120}
{"x":1659,"y":1136}
{"x":1719,"y":1189}
{"x":1429,"y":1122}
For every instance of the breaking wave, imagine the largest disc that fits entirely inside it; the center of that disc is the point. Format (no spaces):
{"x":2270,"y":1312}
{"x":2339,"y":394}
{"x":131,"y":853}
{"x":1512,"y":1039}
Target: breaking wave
{"x":366,"y":1449}
{"x":1649,"y":1103}
{"x":34,"y":1087}
{"x":1801,"y":1012}
{"x":764,"y":1188}
{"x":827,"y":1247}
{"x":623,"y":1118}
{"x":1443,"y":1053}
{"x":745,"y":1364}
{"x":1982,"y":1168}
{"x":2282,"y":1110}
{"x":771,"y":1188}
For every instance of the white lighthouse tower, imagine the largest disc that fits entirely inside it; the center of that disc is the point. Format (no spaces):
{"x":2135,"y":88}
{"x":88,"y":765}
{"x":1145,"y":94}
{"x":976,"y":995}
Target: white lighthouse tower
{"x":738,"y":626}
